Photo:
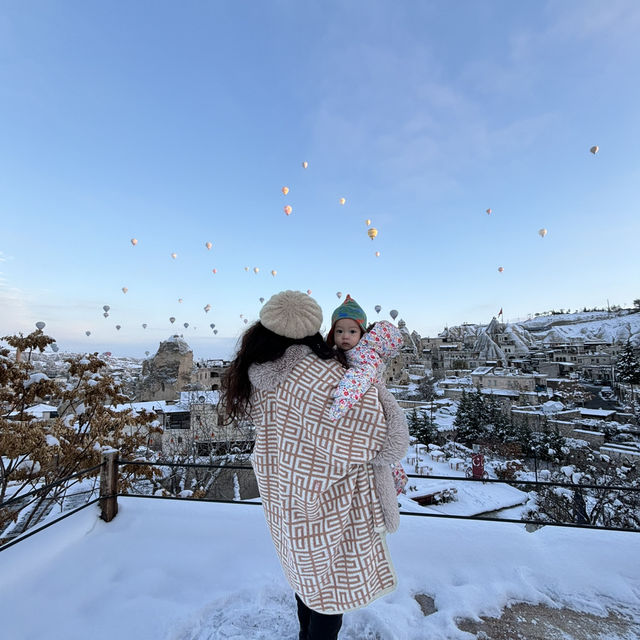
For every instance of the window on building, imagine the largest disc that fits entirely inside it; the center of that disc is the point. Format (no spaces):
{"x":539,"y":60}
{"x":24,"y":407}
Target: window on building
{"x":179,"y":421}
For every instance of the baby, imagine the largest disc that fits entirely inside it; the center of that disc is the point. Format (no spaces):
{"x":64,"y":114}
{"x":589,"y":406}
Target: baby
{"x":365,"y":352}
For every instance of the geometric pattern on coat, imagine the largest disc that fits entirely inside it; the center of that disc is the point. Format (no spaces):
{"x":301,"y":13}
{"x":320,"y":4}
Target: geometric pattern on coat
{"x":316,"y":483}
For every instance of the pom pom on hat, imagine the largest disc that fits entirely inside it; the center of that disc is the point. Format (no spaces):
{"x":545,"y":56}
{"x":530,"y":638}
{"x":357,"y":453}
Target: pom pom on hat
{"x":292,"y":314}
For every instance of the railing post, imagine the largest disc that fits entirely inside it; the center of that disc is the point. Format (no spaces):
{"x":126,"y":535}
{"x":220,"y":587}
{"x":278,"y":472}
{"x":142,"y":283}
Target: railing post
{"x":109,"y":485}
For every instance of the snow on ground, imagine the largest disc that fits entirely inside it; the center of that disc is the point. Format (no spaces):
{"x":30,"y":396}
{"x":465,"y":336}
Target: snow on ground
{"x":182,"y":570}
{"x":473,"y":498}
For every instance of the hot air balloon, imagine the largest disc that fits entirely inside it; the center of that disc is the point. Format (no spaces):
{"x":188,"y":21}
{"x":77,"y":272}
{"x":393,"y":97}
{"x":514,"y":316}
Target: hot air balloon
{"x":207,"y":308}
{"x":488,"y":212}
{"x":118,"y":327}
{"x":343,"y":200}
{"x":308,"y":292}
{"x":106,"y":307}
{"x":372,"y":233}
{"x":174,"y":255}
{"x":368,"y":222}
{"x":105,"y":314}
{"x":378,"y":308}
{"x":134,"y":242}
{"x":542,"y":233}
{"x":245,"y":321}
{"x":40,"y":325}
{"x":54,"y":347}
{"x":246,"y":268}
{"x":242,"y":315}
{"x":285,"y":190}
{"x":87,"y":333}
{"x":274,"y":272}
{"x":594,"y":149}
{"x":305,"y":165}
{"x":215,"y":332}
{"x":261,"y":300}
{"x":144,"y":325}
{"x":186,"y":325}
{"x":172,"y":319}
{"x":255,"y":269}
{"x":146,"y":353}
{"x":214,"y":271}
{"x":500,"y":269}
{"x":377,"y":254}
{"x":288,"y":210}
{"x":124,"y":289}
{"x":212,"y":325}
{"x":208,"y":245}
{"x":393,"y":313}
{"x":339,"y":294}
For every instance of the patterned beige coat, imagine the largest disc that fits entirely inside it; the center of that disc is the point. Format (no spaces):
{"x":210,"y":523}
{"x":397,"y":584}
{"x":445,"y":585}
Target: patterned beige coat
{"x":318,"y":484}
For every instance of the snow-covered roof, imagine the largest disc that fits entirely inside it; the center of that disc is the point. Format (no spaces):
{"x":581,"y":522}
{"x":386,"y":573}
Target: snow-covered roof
{"x":37,"y":410}
{"x":600,"y":413}
{"x":481,"y":371}
{"x":501,"y":392}
{"x":552,"y":406}
{"x":149,"y":406}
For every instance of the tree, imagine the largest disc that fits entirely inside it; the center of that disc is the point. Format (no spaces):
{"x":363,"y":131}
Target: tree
{"x":587,"y":505}
{"x":628,"y":367}
{"x":470,"y":418}
{"x":549,"y":444}
{"x":636,"y":303}
{"x":92,"y":417}
{"x":422,"y":428}
{"x":425,"y":389}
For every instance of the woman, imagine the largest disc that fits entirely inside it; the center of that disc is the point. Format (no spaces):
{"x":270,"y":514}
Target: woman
{"x":325,"y":488}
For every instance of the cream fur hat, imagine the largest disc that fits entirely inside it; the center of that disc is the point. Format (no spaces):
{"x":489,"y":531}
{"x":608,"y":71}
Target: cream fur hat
{"x":292,"y":314}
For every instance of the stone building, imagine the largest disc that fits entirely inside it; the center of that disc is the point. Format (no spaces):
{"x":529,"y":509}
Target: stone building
{"x":207,"y":374}
{"x":167,"y":373}
{"x":397,"y":370}
{"x":513,"y":379}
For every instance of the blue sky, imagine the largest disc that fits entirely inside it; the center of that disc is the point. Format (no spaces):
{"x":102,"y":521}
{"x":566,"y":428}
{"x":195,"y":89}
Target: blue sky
{"x":179,"y":123}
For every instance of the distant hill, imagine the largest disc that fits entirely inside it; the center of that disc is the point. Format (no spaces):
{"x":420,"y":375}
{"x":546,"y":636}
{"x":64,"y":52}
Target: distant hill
{"x":614,"y":326}
{"x":590,"y":325}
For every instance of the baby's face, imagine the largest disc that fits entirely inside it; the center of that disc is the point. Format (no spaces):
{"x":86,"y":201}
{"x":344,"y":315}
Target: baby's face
{"x":346,"y":334}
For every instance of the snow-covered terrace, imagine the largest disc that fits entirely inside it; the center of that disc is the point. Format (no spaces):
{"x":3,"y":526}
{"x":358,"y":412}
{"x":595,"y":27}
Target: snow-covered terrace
{"x":37,"y":410}
{"x":188,"y":570}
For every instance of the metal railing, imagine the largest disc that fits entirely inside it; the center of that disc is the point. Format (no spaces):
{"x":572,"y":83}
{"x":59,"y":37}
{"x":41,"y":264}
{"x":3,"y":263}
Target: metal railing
{"x":109,"y":494}
{"x":41,"y":493}
{"x":511,"y":482}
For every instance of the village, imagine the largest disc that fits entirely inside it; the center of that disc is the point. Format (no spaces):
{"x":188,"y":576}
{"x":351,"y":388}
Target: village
{"x":569,"y":385}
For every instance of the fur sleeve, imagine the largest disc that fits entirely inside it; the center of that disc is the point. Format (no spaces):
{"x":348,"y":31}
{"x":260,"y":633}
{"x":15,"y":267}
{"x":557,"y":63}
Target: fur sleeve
{"x":394,"y":449}
{"x":397,"y":441}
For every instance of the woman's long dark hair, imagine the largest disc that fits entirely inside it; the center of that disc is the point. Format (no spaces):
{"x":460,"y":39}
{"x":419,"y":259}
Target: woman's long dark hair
{"x":258,"y":345}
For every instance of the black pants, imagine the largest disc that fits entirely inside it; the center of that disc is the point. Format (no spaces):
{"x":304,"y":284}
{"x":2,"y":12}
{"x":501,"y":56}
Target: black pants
{"x":317,"y":626}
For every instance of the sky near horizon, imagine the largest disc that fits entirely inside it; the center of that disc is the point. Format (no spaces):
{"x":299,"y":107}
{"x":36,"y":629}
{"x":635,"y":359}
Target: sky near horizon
{"x":178,"y":124}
